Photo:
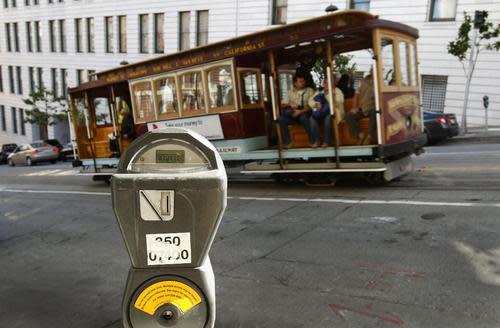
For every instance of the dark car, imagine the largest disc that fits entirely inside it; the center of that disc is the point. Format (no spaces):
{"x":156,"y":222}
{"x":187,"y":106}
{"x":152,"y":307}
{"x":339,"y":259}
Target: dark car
{"x":439,"y":126}
{"x":67,"y":152}
{"x":453,"y":127}
{"x":5,"y":151}
{"x":55,"y":143}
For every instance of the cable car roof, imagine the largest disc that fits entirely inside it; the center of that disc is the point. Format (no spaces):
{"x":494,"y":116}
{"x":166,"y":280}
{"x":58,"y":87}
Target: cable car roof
{"x":340,"y":23}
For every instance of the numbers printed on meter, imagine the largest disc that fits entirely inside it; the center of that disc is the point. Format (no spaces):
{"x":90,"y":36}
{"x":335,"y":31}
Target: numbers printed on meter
{"x":169,"y":248}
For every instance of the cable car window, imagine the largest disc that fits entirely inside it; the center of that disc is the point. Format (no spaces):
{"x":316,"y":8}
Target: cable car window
{"x":166,"y":96}
{"x":413,"y":66}
{"x":249,"y":82}
{"x":388,"y":68}
{"x":286,"y":84}
{"x":220,"y":87}
{"x":193,"y":95}
{"x":143,"y":101}
{"x":403,"y":63}
{"x":102,"y":111}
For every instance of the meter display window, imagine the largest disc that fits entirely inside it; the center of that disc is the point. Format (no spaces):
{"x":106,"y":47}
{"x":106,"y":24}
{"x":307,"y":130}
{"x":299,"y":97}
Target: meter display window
{"x":172,"y":156}
{"x":193,"y":95}
{"x":143,"y":101}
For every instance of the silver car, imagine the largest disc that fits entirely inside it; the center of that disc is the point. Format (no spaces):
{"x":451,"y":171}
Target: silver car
{"x":31,"y":154}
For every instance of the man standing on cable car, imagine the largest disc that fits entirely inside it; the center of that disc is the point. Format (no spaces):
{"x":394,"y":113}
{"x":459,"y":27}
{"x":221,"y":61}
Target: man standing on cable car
{"x":296,"y":109}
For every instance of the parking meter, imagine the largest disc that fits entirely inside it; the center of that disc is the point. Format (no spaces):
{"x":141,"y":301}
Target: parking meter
{"x":169,"y":195}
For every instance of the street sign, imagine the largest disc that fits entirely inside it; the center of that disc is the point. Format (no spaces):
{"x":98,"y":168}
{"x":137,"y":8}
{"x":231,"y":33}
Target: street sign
{"x":169,"y":196}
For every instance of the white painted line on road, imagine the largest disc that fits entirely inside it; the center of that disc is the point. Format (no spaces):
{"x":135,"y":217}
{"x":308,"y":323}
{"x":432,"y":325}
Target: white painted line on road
{"x":484,"y":152}
{"x":368,"y":201}
{"x":21,"y":191}
{"x":287,"y":199}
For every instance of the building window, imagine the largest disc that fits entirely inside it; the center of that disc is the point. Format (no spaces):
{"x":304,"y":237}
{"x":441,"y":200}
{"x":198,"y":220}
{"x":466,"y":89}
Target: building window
{"x":201,"y":27}
{"x":159,"y":42}
{"x":280,"y":8}
{"x":434,"y":92}
{"x":13,"y":114}
{"x":4,"y":124}
{"x":1,"y":79}
{"x":8,"y":37}
{"x":108,"y":30}
{"x":64,"y":83}
{"x":6,"y":3}
{"x":14,"y":3}
{"x":12,"y":88}
{"x":26,"y":2}
{"x":184,"y":31}
{"x":143,"y":33}
{"x":52,"y":35}
{"x":79,"y":76}
{"x":443,"y":10}
{"x":38,"y":37}
{"x":31,"y":71}
{"x":90,"y":34}
{"x":62,"y":35}
{"x":21,"y":121}
{"x":19,"y":80}
{"x":78,"y":34}
{"x":16,"y":36}
{"x":360,"y":5}
{"x":53,"y":75}
{"x":122,"y":28}
{"x":39,"y":73}
{"x":29,"y":41}
{"x":91,"y":75}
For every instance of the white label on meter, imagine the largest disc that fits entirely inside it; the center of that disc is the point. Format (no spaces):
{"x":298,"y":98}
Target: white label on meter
{"x":169,"y":248}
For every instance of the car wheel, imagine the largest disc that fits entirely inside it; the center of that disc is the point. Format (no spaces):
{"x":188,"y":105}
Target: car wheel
{"x":53,"y":161}
{"x":29,"y":162}
{"x":11,"y":163}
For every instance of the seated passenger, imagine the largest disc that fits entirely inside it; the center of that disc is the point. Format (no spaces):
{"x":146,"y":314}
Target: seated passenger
{"x":363,"y":106}
{"x":345,"y":84}
{"x":296,"y":109}
{"x":321,"y":113}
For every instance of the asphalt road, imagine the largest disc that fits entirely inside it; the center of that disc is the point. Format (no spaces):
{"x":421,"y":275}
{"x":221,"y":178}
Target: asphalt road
{"x":422,"y":251}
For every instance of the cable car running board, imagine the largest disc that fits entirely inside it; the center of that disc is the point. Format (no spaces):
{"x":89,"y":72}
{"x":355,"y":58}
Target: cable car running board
{"x":382,"y":169}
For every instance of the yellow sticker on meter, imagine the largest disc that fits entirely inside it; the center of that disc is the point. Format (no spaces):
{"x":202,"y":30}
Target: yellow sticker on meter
{"x":167,"y":292}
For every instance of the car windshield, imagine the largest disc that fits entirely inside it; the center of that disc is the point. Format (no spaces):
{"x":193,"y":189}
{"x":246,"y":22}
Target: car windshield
{"x":10,"y":147}
{"x":38,"y":145}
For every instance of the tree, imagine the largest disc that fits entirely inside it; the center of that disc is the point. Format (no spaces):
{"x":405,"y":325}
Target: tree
{"x":45,"y":109}
{"x":466,"y":49}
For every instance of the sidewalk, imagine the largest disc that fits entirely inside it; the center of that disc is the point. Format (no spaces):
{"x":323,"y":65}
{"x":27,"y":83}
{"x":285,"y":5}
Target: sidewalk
{"x":476,"y":135}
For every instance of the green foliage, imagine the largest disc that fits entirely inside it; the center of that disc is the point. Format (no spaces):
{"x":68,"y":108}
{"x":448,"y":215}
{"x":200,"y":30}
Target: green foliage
{"x":487,"y":32}
{"x":342,"y":64}
{"x":45,"y":108}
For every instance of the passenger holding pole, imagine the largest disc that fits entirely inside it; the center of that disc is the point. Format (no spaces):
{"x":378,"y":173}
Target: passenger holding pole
{"x":296,"y":109}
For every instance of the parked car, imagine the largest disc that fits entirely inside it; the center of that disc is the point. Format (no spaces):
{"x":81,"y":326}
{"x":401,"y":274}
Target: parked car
{"x":439,"y":126}
{"x":67,"y":152}
{"x":5,"y":151}
{"x":33,"y":153}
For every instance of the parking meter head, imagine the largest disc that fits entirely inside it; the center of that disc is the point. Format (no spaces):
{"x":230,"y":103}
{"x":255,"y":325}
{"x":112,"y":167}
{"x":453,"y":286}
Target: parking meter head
{"x":169,"y":196}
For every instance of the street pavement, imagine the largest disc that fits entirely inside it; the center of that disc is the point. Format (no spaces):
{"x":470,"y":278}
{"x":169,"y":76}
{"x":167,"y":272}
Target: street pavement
{"x":421,"y":251}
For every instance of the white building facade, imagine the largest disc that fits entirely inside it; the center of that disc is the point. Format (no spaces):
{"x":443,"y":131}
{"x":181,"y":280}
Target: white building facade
{"x":59,"y":43}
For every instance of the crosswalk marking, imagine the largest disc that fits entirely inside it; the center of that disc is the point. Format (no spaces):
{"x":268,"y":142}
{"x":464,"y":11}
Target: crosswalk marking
{"x":58,"y":172}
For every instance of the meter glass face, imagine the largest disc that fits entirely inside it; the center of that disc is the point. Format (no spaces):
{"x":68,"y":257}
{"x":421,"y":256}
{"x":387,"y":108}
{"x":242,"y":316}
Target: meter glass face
{"x":170,"y":155}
